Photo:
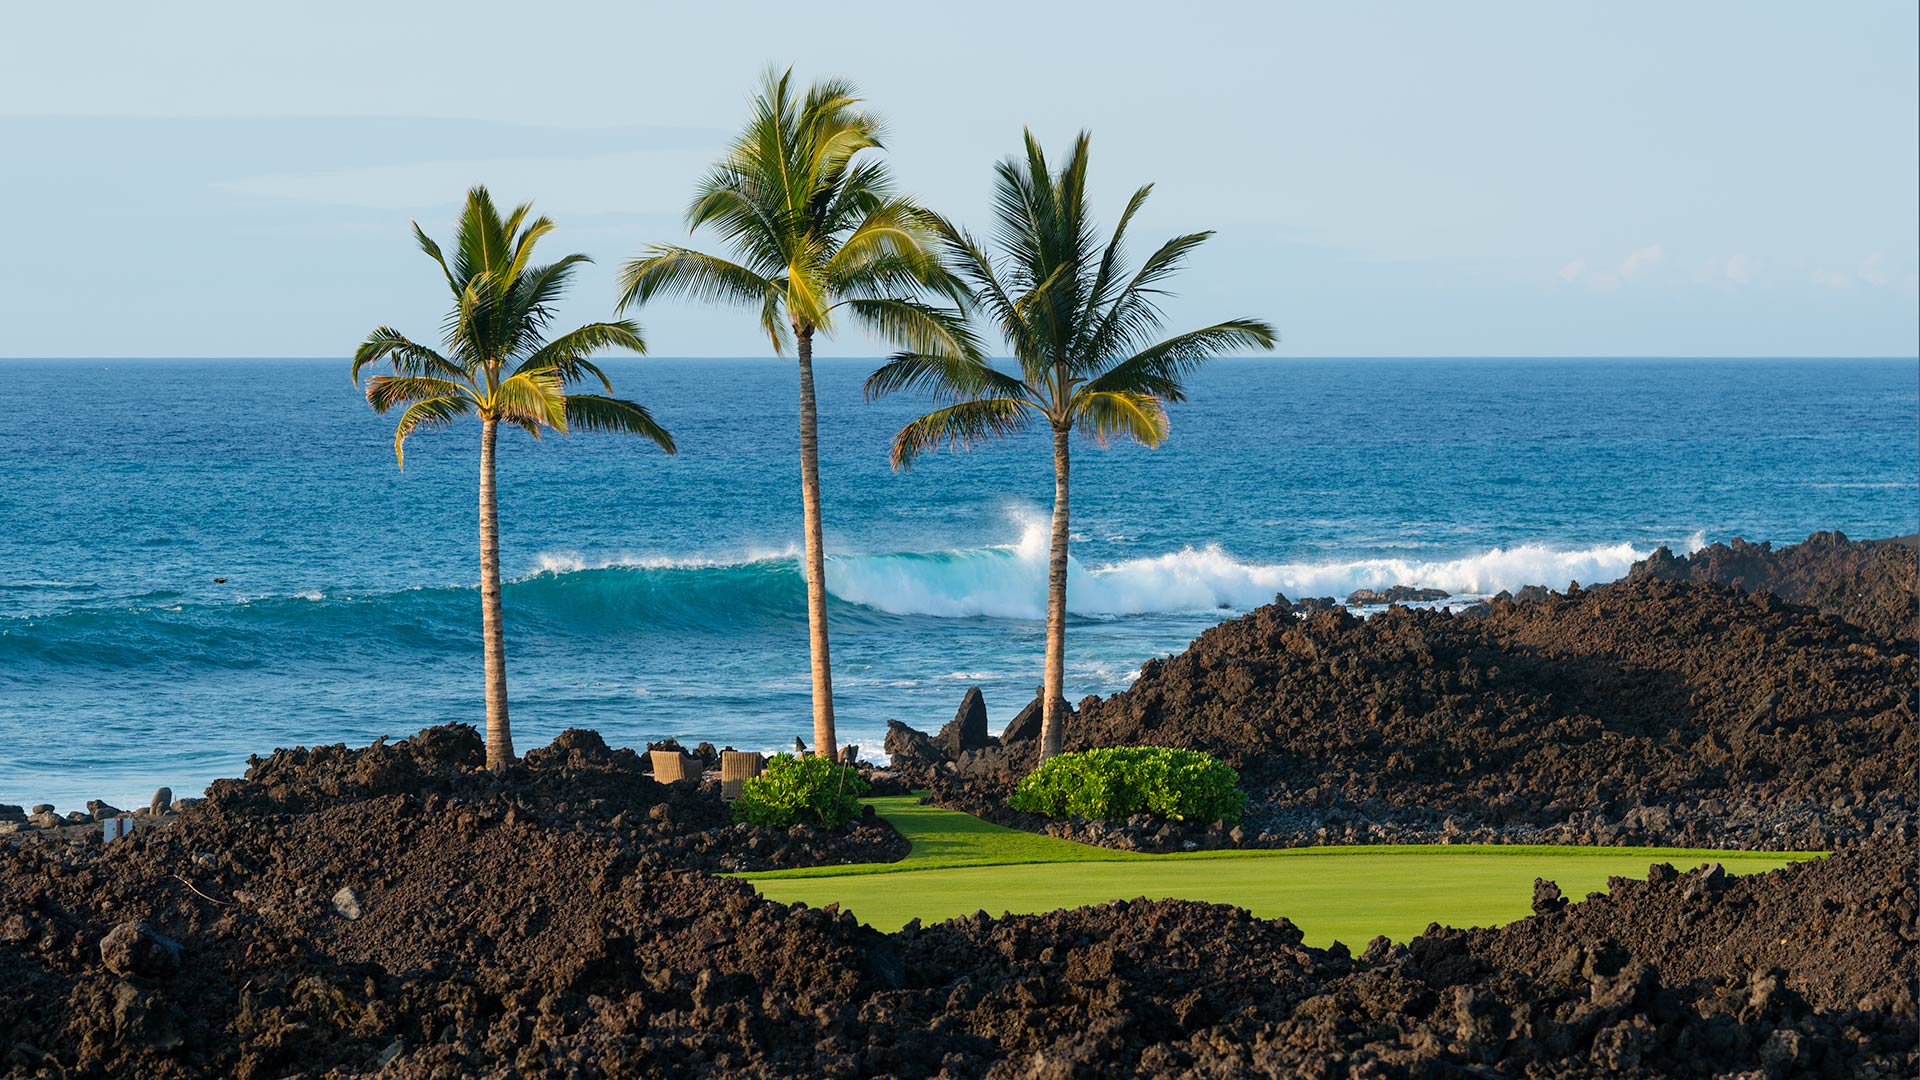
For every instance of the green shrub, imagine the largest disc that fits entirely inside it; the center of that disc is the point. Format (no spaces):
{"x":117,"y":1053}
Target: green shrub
{"x":801,"y":791}
{"x":1179,"y":785}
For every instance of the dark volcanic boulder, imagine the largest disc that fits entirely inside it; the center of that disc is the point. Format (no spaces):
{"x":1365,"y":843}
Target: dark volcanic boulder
{"x":1398,"y":594}
{"x":911,"y":751}
{"x":1307,"y":605}
{"x":1025,"y":725}
{"x":134,"y":948}
{"x":968,"y":728}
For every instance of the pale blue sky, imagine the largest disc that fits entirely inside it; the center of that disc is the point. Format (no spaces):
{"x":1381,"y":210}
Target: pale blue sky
{"x":213,"y":179}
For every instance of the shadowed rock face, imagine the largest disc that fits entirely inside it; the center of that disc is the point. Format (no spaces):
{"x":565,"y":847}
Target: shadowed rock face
{"x":513,"y":924}
{"x":1873,"y":584}
{"x":968,"y":728}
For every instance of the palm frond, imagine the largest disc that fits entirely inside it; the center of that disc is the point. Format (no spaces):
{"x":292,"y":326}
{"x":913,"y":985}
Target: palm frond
{"x":522,"y":243}
{"x":480,"y":239}
{"x":567,"y":354}
{"x":1098,"y":296}
{"x":407,"y":357}
{"x":591,"y":412}
{"x":1134,"y":314}
{"x":971,"y":263}
{"x":1160,"y":368}
{"x":676,"y":271}
{"x":386,"y":391}
{"x":1102,"y":414}
{"x":915,"y":326}
{"x":960,"y":426}
{"x":895,"y":229}
{"x":432,"y":249}
{"x":426,"y":415}
{"x":943,"y":378}
{"x":537,"y":397}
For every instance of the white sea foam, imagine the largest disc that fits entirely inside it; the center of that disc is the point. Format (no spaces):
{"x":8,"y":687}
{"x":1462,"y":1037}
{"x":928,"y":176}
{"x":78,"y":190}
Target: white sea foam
{"x":567,"y":562}
{"x":1010,"y":581}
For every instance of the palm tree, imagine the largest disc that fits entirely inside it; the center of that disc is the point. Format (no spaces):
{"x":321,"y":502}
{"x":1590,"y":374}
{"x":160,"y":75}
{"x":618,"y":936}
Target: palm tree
{"x":1086,"y":337}
{"x":816,"y":232}
{"x":500,"y":364}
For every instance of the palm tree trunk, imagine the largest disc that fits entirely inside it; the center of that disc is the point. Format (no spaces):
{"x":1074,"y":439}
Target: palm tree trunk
{"x":816,"y":556}
{"x":1053,"y":719}
{"x":499,"y":737}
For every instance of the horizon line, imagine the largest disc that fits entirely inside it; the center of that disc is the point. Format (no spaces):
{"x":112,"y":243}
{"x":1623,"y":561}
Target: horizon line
{"x":344,"y":358}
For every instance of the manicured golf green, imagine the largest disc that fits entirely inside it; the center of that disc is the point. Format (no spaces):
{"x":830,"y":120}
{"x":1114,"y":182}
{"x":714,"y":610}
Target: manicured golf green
{"x":960,"y":864}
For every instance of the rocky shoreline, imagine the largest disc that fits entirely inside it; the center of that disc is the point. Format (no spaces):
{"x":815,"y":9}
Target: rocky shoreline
{"x":395,"y":912}
{"x":44,"y":821}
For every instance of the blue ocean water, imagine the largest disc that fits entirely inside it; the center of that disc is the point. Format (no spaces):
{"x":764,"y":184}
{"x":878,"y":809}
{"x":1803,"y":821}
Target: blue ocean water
{"x":654,"y":596}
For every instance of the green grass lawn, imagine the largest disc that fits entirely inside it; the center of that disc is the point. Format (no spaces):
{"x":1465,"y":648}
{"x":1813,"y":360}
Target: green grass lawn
{"x":960,"y":864}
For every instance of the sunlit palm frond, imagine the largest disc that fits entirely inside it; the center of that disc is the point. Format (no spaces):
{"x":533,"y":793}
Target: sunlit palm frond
{"x":1134,"y":316}
{"x":426,"y":415}
{"x":895,"y":231}
{"x":1102,"y":414}
{"x":1107,"y":280}
{"x":960,"y":426}
{"x":567,"y":354}
{"x":915,"y":326}
{"x":522,"y":240}
{"x":405,"y":356}
{"x":386,"y":391}
{"x":678,"y":271}
{"x":432,"y":248}
{"x":537,"y":397}
{"x":1160,"y":368}
{"x":480,"y":241}
{"x":944,"y":378}
{"x":591,"y":412}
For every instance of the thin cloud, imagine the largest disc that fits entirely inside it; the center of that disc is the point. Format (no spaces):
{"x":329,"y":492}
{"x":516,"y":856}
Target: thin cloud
{"x":1872,"y":272}
{"x":1638,"y":264}
{"x":1642,"y":262}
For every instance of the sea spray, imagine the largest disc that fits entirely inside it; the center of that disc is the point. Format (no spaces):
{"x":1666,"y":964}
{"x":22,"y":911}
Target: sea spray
{"x":1009,"y":581}
{"x":700,"y":595}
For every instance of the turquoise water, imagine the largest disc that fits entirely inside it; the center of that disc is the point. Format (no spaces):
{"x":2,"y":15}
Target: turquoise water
{"x":655,"y":596}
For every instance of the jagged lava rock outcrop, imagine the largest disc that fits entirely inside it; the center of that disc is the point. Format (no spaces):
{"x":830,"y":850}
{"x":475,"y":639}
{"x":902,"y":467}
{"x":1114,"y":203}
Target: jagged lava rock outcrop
{"x":1874,"y":584}
{"x":1759,"y":722}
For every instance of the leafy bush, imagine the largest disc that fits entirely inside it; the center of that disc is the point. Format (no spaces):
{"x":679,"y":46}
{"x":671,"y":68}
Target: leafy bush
{"x":1179,"y":785}
{"x":801,"y":791}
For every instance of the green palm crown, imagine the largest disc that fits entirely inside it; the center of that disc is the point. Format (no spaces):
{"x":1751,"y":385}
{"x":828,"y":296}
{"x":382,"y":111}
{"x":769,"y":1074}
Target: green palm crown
{"x":497,"y":359}
{"x":815,"y":228}
{"x":1084,"y":332}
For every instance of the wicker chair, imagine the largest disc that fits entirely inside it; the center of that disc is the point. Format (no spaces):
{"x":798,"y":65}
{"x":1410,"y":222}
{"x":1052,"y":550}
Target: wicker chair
{"x":736,"y":768}
{"x":670,"y":766}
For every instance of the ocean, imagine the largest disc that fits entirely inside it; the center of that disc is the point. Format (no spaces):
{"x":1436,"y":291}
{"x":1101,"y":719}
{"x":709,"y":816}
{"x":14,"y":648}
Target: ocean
{"x":203,"y":559}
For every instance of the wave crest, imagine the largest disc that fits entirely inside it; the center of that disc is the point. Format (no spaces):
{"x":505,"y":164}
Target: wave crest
{"x":620,"y":599}
{"x":1009,"y":581}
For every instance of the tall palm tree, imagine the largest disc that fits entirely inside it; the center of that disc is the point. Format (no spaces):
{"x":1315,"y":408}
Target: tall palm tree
{"x":816,"y":232}
{"x":498,"y":363}
{"x":1085,"y":334}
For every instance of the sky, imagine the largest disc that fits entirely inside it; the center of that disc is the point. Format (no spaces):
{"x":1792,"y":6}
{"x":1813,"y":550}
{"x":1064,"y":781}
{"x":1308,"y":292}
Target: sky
{"x":1479,"y":179}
